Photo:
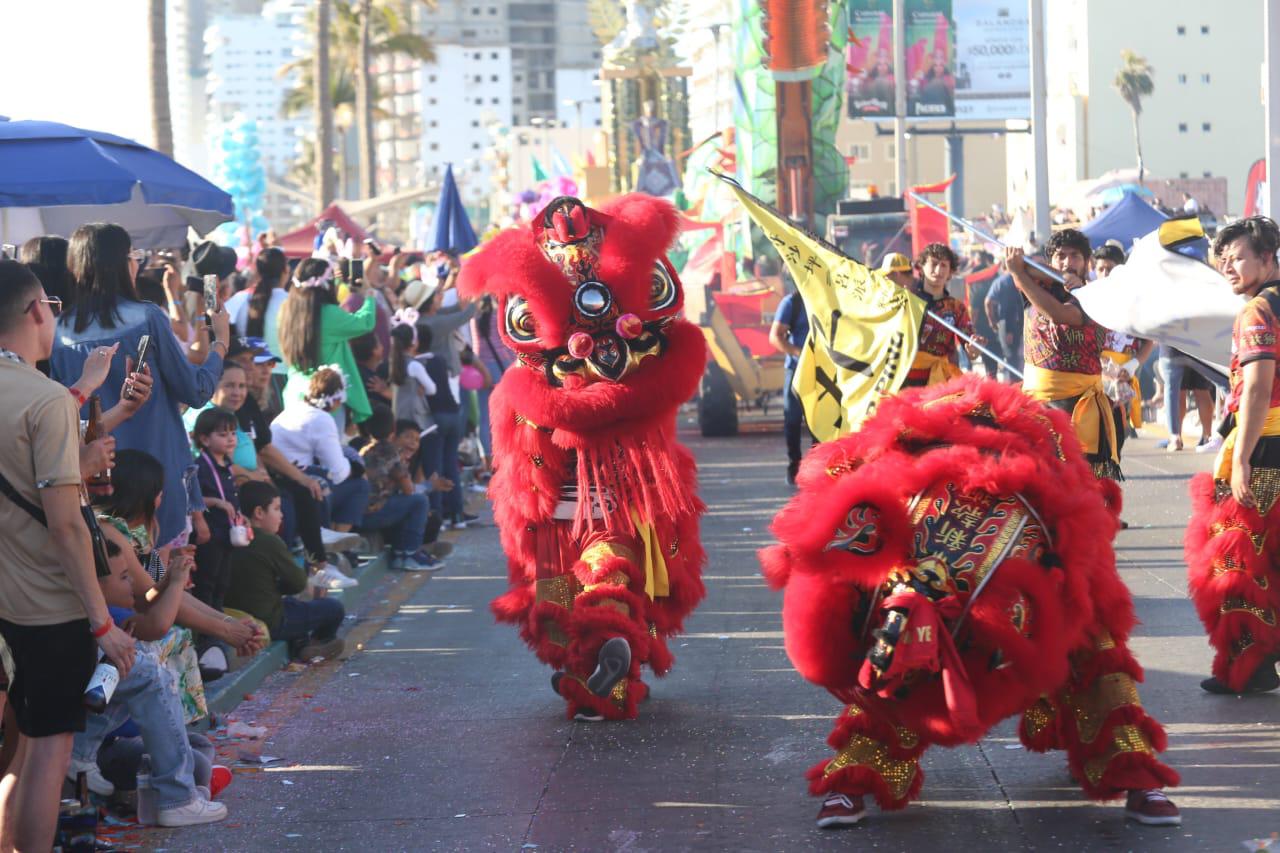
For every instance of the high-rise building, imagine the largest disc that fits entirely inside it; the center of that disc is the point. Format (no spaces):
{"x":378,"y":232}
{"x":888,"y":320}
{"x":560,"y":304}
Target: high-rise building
{"x":244,"y":55}
{"x":707,"y":49}
{"x":185,"y":23}
{"x":1203,"y":120}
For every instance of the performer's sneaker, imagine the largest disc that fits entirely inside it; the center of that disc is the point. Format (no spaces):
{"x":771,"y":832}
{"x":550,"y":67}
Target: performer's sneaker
{"x":1151,"y":808}
{"x":1264,"y":678}
{"x":588,"y":715}
{"x":613,"y":661}
{"x":839,"y":810}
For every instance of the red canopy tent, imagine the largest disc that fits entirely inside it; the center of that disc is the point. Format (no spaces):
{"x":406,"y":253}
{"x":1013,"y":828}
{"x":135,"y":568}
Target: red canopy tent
{"x":301,"y":243}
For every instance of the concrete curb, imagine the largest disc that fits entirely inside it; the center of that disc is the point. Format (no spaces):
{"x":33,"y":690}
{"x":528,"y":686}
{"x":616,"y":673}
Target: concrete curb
{"x":230,"y":690}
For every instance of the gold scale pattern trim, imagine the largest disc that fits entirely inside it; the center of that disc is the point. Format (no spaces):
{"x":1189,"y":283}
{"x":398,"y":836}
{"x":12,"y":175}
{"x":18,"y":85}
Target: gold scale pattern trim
{"x":863,"y":751}
{"x":1259,"y":540}
{"x":1238,"y":605}
{"x":1091,"y":708}
{"x":1125,"y":740}
{"x":1037,"y":718}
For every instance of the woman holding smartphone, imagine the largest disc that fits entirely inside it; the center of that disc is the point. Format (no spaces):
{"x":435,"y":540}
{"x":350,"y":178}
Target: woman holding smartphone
{"x":103,"y":309}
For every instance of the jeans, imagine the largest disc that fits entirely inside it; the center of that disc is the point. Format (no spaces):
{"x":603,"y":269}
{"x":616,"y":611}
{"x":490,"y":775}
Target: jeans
{"x":307,"y":514}
{"x":148,"y":695}
{"x":317,"y":619}
{"x":405,"y":516}
{"x":486,"y":432}
{"x":120,"y":758}
{"x":792,"y":416}
{"x":1171,"y":370}
{"x":346,"y":502}
{"x":440,"y":456}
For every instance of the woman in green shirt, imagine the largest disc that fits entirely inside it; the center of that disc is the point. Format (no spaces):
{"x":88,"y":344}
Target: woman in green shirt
{"x":316,"y":331}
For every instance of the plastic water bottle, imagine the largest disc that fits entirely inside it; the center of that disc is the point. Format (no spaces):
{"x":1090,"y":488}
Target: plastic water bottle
{"x":147,"y":805}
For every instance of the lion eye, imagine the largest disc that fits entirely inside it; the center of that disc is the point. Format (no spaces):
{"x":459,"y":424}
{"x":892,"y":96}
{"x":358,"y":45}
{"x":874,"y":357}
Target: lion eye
{"x":662,"y":289}
{"x":520,"y":325}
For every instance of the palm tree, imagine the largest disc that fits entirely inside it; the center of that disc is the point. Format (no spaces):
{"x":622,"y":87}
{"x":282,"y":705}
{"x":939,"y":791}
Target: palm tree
{"x":161,"y":119}
{"x":322,"y":102}
{"x":1133,"y":82}
{"x":364,"y":105}
{"x":388,"y":34}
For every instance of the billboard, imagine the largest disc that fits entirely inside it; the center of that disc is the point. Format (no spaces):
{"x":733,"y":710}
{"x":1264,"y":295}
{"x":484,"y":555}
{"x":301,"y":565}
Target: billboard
{"x":993,"y":60}
{"x":965,"y":59}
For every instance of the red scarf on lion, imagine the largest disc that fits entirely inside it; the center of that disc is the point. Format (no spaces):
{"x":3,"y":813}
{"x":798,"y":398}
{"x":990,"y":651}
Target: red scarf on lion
{"x":595,"y":499}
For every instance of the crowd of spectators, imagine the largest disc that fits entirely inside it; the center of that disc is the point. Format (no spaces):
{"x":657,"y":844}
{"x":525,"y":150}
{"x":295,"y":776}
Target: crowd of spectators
{"x":258,"y":451}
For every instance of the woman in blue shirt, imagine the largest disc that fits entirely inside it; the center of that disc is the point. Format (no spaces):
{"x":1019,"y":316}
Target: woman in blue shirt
{"x":103,"y":308}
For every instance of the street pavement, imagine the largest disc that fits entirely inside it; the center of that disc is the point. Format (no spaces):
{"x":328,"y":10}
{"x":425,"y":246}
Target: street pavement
{"x":442,"y":732}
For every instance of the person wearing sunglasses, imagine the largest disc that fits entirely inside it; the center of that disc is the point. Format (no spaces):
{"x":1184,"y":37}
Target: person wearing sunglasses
{"x":53,"y":617}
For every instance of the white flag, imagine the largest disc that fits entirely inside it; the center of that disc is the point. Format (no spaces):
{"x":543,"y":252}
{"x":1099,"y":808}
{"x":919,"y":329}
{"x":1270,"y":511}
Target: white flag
{"x":1167,"y":297}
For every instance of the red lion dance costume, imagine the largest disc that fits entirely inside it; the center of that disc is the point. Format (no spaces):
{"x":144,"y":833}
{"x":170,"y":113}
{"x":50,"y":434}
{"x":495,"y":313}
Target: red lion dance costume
{"x":946,"y":567}
{"x":596,"y":501}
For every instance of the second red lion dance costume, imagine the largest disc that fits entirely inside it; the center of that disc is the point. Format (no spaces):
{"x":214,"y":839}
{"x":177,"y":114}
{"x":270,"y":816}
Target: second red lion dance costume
{"x":946,"y":567}
{"x":596,"y":501}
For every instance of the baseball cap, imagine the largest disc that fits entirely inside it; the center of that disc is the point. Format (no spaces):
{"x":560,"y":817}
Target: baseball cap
{"x":240,"y":346}
{"x":266,"y":355}
{"x":895,"y":262}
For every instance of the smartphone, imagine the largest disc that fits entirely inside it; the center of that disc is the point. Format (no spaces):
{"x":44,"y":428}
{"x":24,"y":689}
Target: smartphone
{"x":9,"y":251}
{"x":144,"y":344}
{"x":210,"y":301}
{"x":357,"y":271}
{"x":442,"y":271}
{"x":211,"y":294}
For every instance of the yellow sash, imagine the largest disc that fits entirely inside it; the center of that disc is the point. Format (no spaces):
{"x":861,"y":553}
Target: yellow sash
{"x":1092,"y":413}
{"x":1135,"y":405}
{"x":656,"y":582}
{"x":1222,"y":465}
{"x":940,"y":367}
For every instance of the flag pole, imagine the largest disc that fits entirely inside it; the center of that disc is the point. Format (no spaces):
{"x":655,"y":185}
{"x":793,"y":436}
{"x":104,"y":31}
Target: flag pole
{"x":964,"y":223}
{"x":973,"y":342}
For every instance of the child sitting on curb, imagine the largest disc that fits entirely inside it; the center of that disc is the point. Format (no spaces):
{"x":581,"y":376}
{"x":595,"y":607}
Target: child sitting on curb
{"x":264,"y":579}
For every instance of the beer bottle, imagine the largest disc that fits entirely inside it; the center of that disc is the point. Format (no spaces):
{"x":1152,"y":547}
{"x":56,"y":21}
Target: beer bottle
{"x":99,"y":483}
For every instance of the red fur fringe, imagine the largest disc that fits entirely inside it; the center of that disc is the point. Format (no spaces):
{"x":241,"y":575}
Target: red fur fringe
{"x":1254,"y":579}
{"x":904,"y":448}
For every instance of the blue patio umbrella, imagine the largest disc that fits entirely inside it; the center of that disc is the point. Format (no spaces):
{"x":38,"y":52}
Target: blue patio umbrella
{"x":453,"y":229}
{"x":55,"y":178}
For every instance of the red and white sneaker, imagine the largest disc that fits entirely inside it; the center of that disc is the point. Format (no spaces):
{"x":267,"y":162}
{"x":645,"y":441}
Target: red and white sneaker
{"x":840,"y":810}
{"x":1151,"y":808}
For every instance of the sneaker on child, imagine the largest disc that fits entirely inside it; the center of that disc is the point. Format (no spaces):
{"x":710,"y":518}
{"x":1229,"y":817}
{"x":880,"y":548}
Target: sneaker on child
{"x":1209,"y":445}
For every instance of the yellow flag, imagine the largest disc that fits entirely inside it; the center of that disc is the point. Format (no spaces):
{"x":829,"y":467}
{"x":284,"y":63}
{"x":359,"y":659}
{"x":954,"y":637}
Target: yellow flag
{"x":863,"y":328}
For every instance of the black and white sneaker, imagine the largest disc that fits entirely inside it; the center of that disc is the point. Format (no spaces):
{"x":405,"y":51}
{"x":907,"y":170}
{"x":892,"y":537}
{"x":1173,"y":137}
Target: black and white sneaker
{"x":613,"y":661}
{"x":587,"y":715}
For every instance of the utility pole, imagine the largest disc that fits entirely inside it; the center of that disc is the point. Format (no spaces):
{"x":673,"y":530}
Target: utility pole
{"x":1039,"y":121}
{"x":1271,"y":101}
{"x":900,"y":97}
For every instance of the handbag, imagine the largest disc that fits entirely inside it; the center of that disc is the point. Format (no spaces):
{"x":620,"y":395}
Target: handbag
{"x":241,"y":534}
{"x":98,"y":542}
